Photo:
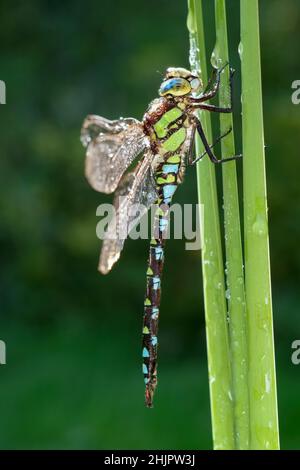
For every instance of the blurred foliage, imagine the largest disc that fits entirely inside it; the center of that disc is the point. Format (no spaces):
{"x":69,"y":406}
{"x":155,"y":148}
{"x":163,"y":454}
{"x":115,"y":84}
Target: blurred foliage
{"x":73,"y":338}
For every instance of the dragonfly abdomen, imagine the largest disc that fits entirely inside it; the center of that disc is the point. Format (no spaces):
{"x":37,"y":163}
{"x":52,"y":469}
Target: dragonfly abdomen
{"x":167,"y":179}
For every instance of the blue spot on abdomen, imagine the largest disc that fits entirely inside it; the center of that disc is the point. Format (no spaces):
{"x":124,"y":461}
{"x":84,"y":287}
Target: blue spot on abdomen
{"x":168,"y":191}
{"x":170,"y":168}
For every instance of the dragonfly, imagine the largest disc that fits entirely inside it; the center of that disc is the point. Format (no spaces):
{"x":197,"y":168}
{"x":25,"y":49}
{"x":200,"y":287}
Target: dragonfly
{"x":162,"y":146}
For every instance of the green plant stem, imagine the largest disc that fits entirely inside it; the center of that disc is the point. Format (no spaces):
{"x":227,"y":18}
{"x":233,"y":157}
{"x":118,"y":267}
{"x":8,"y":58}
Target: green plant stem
{"x":212,"y":263}
{"x":262,"y":380}
{"x":233,"y":245}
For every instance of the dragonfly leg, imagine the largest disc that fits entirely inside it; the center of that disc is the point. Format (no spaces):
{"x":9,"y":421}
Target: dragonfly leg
{"x":211,"y":80}
{"x":208,"y":147}
{"x":191,"y":160}
{"x":196,"y":102}
{"x":216,"y":109}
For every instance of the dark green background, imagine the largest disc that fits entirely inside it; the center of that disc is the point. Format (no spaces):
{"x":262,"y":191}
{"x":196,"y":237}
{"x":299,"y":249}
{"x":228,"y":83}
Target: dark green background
{"x":73,"y":374}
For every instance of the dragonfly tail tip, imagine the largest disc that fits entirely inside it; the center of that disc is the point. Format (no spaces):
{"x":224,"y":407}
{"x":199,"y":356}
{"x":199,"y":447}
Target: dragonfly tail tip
{"x":149,"y":393}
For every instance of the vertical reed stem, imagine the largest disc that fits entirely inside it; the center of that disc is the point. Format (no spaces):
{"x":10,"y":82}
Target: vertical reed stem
{"x":233,"y":244}
{"x":212,"y":262}
{"x":262,"y":380}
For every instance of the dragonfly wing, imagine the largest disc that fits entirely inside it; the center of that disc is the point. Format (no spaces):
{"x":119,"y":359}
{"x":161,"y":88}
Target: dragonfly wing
{"x":111,"y":148}
{"x":135,"y":194}
{"x":93,"y":125}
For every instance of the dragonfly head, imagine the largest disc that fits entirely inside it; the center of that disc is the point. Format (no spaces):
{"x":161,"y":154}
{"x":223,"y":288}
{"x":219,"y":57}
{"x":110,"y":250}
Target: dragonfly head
{"x":179,"y":82}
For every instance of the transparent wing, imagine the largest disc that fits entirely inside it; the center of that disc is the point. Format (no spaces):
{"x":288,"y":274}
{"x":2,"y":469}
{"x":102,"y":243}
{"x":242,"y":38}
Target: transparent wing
{"x":111,"y":148}
{"x":135,"y":194}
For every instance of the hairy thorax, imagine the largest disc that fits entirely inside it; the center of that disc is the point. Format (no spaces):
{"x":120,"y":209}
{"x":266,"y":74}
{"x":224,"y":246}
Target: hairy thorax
{"x":165,"y":123}
{"x":168,"y":128}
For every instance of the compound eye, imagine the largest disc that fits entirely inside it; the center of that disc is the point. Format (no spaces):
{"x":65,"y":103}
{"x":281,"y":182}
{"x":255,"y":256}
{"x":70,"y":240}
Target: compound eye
{"x":175,"y":87}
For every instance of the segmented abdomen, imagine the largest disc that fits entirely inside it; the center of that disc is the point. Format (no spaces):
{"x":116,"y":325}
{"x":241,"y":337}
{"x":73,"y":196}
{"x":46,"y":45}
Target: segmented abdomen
{"x":168,"y":137}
